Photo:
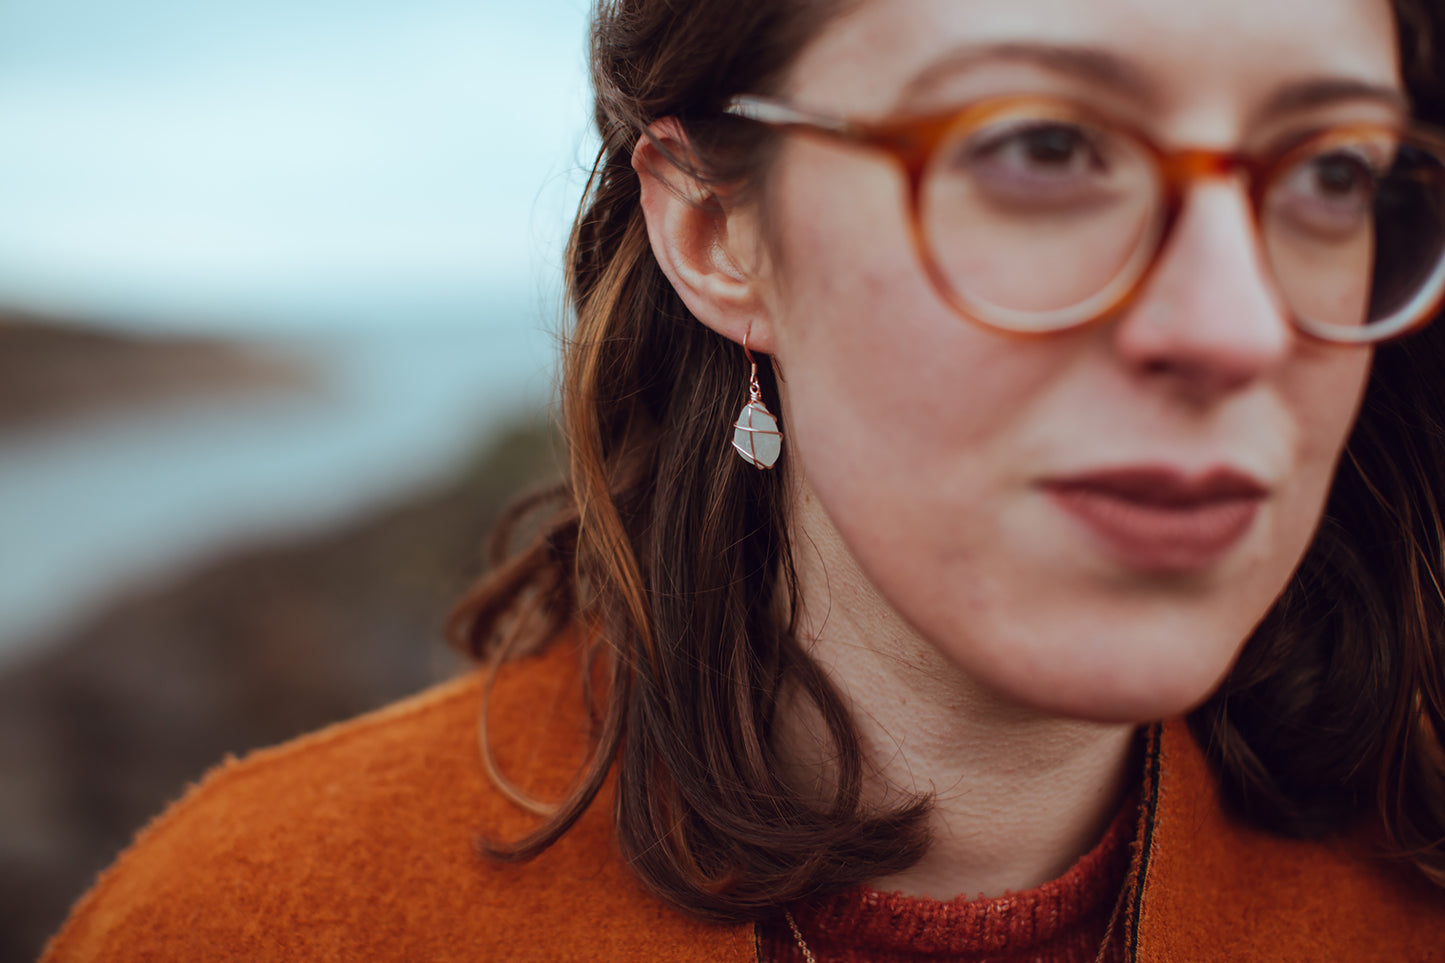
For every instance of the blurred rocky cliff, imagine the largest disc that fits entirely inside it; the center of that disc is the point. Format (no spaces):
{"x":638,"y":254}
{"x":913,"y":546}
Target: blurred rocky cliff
{"x":51,"y":371}
{"x":101,"y":727}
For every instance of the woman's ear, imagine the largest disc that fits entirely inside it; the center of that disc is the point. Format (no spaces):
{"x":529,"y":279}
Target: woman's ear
{"x":706,"y":248}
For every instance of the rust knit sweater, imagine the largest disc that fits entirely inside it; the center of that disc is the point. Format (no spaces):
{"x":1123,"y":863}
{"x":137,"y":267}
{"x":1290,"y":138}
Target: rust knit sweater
{"x":1064,"y":921}
{"x":359,"y":843}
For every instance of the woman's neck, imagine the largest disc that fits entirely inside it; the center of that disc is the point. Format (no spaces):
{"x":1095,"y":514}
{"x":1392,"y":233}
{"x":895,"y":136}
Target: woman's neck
{"x":1018,"y":796}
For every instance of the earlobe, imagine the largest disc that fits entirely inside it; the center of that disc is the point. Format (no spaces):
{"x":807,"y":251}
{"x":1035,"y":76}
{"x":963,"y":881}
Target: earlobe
{"x":698,"y":240}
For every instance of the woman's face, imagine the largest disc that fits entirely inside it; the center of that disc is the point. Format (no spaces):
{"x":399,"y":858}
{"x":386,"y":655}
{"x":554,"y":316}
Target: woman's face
{"x":1088,"y":523}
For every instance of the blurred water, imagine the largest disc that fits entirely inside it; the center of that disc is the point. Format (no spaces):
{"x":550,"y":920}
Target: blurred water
{"x":330,"y":167}
{"x":103,"y":507}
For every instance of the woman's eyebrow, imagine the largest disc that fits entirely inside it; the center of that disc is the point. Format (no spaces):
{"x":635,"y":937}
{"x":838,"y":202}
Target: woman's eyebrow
{"x":1102,"y":68}
{"x":1092,"y":64}
{"x":1324,"y":91}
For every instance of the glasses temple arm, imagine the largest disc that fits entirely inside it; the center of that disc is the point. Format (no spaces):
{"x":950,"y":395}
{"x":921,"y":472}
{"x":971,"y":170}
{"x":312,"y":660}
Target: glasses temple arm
{"x":778,"y":113}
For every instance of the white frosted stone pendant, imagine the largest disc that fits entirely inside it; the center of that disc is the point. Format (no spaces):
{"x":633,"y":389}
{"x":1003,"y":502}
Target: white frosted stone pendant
{"x":756,"y":436}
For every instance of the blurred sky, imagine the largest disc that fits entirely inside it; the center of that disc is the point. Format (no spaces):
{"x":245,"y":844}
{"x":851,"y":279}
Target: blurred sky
{"x":286,"y":163}
{"x":378,"y":187}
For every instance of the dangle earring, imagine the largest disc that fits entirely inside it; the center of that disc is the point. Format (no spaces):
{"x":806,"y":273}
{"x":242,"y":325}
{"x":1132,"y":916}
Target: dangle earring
{"x":755,"y":435}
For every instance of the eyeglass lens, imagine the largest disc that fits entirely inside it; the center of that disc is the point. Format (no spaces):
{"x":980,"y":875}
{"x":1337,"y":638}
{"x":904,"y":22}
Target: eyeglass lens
{"x":1037,"y":220}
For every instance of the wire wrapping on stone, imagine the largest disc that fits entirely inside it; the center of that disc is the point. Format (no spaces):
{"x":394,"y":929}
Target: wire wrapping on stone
{"x":756,"y":436}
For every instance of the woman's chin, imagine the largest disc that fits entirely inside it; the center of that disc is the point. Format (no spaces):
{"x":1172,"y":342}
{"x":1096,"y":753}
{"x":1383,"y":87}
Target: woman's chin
{"x":1121,"y":700}
{"x":1127,"y":681}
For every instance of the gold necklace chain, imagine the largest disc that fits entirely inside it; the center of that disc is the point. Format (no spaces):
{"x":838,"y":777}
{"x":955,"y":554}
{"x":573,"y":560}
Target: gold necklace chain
{"x":798,"y":935}
{"x":1098,"y":958}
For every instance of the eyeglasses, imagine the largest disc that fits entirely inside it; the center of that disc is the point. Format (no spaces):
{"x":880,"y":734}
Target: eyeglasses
{"x":1035,"y":214}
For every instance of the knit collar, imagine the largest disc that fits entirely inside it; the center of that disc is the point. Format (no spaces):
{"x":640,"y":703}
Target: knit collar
{"x":1062,"y":920}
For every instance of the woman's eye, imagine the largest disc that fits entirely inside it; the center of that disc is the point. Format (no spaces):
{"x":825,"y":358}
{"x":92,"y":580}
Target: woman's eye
{"x":1330,"y":195}
{"x":1341,"y":177}
{"x":1050,"y":148}
{"x":1035,"y":165}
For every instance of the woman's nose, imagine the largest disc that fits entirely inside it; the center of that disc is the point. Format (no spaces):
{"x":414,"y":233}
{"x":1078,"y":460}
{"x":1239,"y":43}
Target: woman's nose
{"x":1208,"y":321}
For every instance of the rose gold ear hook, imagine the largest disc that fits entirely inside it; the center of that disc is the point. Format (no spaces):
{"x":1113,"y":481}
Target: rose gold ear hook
{"x":755,"y":391}
{"x":755,"y":434}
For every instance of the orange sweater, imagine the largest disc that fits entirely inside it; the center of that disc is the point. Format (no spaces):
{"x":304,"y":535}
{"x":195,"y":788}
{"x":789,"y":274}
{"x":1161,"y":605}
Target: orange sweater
{"x":1063,"y":921}
{"x":359,"y":843}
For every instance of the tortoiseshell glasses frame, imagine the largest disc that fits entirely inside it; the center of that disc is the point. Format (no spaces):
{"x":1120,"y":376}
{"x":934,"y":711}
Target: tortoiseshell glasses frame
{"x":914,"y":143}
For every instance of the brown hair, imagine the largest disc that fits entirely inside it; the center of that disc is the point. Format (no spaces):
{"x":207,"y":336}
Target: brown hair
{"x":672,"y":557}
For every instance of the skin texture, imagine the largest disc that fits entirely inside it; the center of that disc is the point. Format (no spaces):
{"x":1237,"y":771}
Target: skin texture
{"x":998,"y":652}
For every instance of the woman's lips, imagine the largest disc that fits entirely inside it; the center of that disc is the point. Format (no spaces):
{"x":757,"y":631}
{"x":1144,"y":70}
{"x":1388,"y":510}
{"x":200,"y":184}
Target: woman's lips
{"x":1159,"y":519}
